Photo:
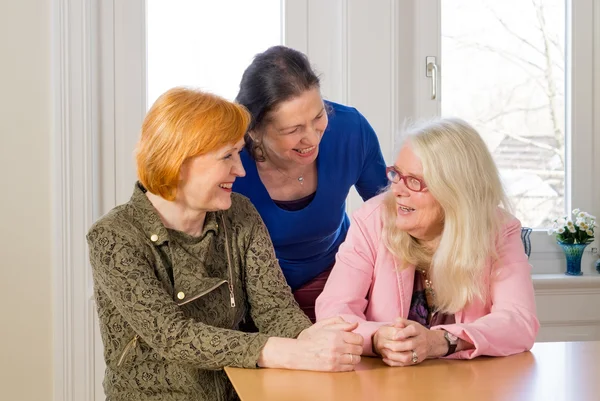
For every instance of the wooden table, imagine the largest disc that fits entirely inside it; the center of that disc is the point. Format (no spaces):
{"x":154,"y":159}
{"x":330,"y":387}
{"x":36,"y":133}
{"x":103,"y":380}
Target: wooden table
{"x":550,"y":372}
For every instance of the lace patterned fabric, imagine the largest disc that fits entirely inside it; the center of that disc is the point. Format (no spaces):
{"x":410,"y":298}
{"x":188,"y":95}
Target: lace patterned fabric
{"x":164,"y":300}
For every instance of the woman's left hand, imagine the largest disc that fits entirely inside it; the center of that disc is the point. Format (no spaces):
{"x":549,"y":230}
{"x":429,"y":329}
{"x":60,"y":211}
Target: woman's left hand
{"x":412,"y":343}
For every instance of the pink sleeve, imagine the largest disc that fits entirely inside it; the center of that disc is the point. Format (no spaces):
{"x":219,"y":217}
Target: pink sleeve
{"x":512,"y":325}
{"x":346,"y":289}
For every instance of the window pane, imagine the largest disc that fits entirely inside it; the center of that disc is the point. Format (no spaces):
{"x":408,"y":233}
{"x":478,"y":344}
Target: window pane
{"x":207,"y":43}
{"x":503,"y":70}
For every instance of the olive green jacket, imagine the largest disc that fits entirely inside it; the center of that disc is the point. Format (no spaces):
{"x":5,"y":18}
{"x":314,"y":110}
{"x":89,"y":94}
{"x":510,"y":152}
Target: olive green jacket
{"x":169,"y":320}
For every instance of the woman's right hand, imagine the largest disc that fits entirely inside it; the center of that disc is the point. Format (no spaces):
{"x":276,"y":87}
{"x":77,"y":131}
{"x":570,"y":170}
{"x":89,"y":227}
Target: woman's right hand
{"x":328,"y":345}
{"x":385,"y":335}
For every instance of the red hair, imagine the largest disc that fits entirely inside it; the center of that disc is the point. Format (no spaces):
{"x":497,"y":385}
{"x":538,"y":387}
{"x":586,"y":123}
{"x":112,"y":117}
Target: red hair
{"x":184,"y":123}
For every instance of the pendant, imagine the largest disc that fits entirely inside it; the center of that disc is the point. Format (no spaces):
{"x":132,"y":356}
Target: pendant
{"x":301,"y":180}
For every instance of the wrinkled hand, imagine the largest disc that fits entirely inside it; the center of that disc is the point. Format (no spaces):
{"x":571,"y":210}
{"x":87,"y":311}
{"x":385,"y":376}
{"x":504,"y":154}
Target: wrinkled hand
{"x":396,"y":343}
{"x":329,"y":345}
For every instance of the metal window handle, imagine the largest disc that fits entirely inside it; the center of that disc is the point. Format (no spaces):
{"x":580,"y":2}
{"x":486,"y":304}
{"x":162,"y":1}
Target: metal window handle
{"x":432,"y":72}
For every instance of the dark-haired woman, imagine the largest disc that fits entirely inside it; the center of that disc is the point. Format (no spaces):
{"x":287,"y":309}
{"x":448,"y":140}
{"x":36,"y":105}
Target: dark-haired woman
{"x":302,"y":156}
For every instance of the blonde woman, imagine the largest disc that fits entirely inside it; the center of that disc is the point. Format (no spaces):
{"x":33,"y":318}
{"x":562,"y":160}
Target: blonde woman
{"x":435,"y":267}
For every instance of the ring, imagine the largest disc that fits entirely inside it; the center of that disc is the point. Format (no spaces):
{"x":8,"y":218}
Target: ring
{"x":415,"y":357}
{"x":351,"y":359}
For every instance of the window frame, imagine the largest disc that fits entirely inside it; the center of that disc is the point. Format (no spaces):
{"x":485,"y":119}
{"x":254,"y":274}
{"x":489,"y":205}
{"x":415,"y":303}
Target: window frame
{"x":582,"y":56}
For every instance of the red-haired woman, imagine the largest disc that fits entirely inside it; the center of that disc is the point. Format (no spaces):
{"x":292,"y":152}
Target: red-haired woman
{"x":178,"y":267}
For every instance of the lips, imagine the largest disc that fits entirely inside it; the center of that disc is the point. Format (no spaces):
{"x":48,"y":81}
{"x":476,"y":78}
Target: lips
{"x":405,"y":208}
{"x":226,"y":186}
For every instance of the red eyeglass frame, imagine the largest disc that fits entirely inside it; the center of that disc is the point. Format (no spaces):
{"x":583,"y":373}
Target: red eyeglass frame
{"x":402,"y":177}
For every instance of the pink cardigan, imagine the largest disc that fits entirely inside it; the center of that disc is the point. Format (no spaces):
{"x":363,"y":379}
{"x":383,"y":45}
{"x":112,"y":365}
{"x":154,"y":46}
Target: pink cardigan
{"x":366,"y":287}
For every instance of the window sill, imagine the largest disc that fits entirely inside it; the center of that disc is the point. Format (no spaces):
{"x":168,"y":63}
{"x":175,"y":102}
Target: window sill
{"x":549,"y":282}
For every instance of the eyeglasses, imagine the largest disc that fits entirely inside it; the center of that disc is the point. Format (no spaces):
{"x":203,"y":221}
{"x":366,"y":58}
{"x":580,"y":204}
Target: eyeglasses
{"x":412,"y":183}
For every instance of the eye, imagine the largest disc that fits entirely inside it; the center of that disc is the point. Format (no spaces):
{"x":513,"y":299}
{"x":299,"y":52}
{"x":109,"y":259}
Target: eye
{"x":292,"y":131}
{"x":414,"y":182}
{"x":228,"y":156}
{"x":319,"y":116}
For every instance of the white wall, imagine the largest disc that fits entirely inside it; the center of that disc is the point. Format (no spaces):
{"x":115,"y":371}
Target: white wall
{"x":25,"y":209}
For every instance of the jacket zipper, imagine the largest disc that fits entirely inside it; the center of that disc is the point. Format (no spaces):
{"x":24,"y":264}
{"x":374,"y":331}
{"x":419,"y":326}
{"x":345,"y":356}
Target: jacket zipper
{"x":130,"y":345}
{"x":203,"y":293}
{"x":231,"y":294}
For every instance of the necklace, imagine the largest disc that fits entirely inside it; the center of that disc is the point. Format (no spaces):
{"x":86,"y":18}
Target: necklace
{"x":300,"y":179}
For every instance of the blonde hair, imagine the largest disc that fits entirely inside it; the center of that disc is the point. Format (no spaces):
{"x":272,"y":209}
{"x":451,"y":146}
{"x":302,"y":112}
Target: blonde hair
{"x":461,"y":175}
{"x":184,"y":123}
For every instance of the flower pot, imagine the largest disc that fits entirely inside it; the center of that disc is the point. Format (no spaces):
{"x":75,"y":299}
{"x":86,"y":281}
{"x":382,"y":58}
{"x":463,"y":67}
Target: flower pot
{"x":573,"y":254}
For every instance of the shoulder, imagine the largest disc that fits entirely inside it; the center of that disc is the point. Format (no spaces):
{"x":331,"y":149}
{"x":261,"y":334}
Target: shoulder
{"x":117,"y":233}
{"x":369,"y":216}
{"x":371,"y":209}
{"x":340,"y":114}
{"x":242,"y":212}
{"x":509,"y":224}
{"x":118,"y":220}
{"x":240,"y":205}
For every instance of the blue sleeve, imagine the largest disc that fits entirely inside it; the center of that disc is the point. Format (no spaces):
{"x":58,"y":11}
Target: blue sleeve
{"x":372,"y":177}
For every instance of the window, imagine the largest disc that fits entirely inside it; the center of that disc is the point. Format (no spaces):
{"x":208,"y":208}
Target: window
{"x":504,"y":72}
{"x":206,"y":44}
{"x":520,"y":71}
{"x":517,"y":71}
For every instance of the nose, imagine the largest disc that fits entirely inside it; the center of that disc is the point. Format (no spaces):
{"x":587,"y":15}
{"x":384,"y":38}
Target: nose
{"x":399,"y":189}
{"x":238,"y":169}
{"x":315,"y":133}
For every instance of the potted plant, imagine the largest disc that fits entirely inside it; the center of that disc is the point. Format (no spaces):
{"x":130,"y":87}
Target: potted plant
{"x":573,"y":235}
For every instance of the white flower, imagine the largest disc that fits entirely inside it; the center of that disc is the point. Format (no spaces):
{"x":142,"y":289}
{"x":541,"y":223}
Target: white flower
{"x":572,"y":229}
{"x":560,"y":230}
{"x":569,"y":223}
{"x":589,"y":232}
{"x":576,"y":211}
{"x":562,"y":221}
{"x":551,"y":231}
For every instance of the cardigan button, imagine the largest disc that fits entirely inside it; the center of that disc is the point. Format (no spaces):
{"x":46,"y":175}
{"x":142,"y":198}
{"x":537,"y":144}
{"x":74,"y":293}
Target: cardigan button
{"x":180,"y":295}
{"x":154,"y":238}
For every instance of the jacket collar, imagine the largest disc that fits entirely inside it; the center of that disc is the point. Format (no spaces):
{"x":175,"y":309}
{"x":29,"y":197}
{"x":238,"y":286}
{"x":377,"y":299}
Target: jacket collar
{"x":144,"y":212}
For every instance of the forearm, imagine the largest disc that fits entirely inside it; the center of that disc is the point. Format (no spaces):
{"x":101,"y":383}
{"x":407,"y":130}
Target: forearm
{"x":206,"y":347}
{"x":499,"y":333}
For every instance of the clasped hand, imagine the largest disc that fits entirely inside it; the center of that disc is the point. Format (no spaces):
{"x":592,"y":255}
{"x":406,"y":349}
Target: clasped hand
{"x":330,"y":345}
{"x":406,"y":342}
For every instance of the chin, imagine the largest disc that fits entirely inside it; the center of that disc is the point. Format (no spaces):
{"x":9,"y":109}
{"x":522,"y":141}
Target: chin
{"x":225,"y":205}
{"x":404,"y":225}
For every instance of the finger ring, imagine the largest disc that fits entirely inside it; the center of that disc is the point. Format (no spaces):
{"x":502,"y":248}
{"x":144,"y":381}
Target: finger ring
{"x":351,"y":359}
{"x":415,"y":357}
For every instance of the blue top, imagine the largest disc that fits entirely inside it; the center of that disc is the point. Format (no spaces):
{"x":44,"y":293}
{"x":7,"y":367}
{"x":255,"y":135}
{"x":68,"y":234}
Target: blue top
{"x":307,"y":240}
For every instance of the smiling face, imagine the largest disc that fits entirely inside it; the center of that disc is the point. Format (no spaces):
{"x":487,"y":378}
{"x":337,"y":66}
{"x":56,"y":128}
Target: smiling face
{"x":206,"y":180}
{"x":294,"y":129}
{"x":419,"y":213}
